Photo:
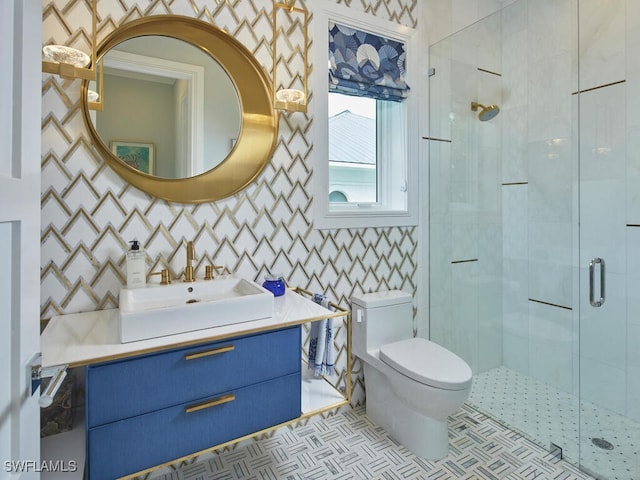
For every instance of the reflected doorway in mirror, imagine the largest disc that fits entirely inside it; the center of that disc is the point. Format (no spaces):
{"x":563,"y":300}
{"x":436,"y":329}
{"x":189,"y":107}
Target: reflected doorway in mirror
{"x":140,"y":156}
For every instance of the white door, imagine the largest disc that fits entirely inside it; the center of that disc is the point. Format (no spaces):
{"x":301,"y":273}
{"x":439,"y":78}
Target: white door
{"x":20,"y":107}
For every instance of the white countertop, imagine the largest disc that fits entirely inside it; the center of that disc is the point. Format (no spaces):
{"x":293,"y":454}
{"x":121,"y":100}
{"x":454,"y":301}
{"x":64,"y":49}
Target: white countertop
{"x":84,"y":338}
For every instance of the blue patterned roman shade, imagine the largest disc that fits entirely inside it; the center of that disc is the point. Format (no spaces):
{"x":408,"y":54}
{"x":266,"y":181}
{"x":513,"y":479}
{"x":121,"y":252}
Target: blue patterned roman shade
{"x":365,"y":65}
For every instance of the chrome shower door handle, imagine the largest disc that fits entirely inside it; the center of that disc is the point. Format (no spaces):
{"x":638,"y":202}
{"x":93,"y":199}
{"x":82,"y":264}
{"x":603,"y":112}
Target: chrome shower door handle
{"x":592,"y":268}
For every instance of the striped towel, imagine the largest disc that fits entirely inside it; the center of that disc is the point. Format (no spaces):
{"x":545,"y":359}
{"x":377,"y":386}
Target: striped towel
{"x":321,"y":352}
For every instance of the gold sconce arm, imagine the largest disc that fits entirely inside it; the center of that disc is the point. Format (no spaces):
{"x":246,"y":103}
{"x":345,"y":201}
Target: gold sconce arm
{"x":72,"y":63}
{"x":94,"y":89}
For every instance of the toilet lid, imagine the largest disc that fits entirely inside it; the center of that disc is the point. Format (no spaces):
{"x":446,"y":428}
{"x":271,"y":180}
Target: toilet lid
{"x":427,"y":363}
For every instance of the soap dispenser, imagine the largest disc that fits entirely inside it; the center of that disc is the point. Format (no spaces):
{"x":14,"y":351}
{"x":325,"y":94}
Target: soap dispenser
{"x":136,"y":276}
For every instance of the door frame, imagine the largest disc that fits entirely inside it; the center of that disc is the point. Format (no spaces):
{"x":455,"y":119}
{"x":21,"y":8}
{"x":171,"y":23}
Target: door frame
{"x":20,"y":159}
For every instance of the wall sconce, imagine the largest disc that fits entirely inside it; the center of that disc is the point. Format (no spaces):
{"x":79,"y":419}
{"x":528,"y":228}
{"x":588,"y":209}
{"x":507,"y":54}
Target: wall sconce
{"x":290,"y":23}
{"x":94,"y":89}
{"x":69,"y":62}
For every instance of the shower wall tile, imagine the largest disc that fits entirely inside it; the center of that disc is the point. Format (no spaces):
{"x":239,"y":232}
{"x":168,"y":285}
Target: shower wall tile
{"x":633,"y":323}
{"x":464,"y":90}
{"x":550,"y":348}
{"x":632,"y":102}
{"x":464,"y":316}
{"x":603,"y":132}
{"x":515,"y":277}
{"x":552,"y":28}
{"x":514,"y":144}
{"x":603,"y":329}
{"x":440,"y":257}
{"x":551,"y":172}
{"x":515,"y":98}
{"x":440,"y":178}
{"x":602,"y":42}
{"x":549,"y":87}
{"x":464,"y":240}
{"x":440,"y":93}
{"x":489,"y":33}
{"x":515,"y":19}
{"x":490,"y":248}
{"x":441,"y":328}
{"x":465,"y":45}
{"x":437,"y":20}
{"x":550,"y":257}
{"x":515,"y":350}
{"x":632,"y":58}
{"x":576,"y":324}
{"x":633,"y":371}
{"x":445,"y":17}
{"x":603,"y":385}
{"x":489,"y":297}
{"x":602,"y":228}
{"x":603,"y":168}
{"x":465,"y":12}
{"x":633,"y":276}
{"x":515,"y":64}
{"x":633,"y":169}
{"x":515,"y":222}
{"x":478,"y":46}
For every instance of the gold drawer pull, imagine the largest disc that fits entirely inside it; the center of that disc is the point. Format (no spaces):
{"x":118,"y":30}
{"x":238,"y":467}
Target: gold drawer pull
{"x":211,"y":403}
{"x":206,"y":353}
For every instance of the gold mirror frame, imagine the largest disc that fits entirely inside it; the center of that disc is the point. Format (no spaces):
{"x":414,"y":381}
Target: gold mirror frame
{"x":258,"y":131}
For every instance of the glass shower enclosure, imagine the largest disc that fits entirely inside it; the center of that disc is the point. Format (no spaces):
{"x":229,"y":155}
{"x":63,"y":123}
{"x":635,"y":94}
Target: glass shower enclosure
{"x":534,"y":205}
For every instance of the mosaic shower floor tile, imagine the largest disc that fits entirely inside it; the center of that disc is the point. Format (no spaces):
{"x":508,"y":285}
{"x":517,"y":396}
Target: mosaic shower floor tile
{"x":547,"y":415}
{"x":349,"y":446}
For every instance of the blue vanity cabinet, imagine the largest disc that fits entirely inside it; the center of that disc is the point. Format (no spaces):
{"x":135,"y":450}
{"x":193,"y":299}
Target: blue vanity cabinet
{"x":151,"y":409}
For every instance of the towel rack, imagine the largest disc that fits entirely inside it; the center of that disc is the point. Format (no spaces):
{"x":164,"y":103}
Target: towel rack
{"x":57,"y":373}
{"x":342,"y":312}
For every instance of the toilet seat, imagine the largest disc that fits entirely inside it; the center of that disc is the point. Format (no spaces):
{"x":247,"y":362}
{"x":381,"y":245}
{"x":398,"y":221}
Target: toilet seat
{"x":428,"y":363}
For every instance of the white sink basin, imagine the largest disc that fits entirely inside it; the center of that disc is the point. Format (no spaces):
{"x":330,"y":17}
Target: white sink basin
{"x":158,"y":310}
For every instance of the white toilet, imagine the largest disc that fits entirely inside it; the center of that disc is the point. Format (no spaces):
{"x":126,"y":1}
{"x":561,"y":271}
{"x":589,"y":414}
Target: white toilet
{"x":412,"y":384}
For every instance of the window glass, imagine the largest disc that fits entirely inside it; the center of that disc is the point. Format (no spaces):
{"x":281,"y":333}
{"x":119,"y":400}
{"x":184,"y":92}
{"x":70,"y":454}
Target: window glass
{"x":353,"y":161}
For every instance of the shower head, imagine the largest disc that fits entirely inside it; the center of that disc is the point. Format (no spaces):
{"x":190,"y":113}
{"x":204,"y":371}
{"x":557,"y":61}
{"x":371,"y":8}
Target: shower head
{"x":486,"y":113}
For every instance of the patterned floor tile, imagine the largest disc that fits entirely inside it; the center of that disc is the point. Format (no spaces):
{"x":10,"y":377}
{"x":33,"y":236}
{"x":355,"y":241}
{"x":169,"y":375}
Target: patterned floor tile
{"x":349,"y":446}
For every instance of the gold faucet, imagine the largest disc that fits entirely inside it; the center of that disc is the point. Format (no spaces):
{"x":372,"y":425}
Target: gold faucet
{"x":188,"y":270}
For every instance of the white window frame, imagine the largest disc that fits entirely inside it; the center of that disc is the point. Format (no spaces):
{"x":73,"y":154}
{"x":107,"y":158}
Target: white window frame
{"x":381,"y":214}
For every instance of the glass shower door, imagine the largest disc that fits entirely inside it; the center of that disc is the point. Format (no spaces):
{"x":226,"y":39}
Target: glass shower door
{"x":609,"y":331}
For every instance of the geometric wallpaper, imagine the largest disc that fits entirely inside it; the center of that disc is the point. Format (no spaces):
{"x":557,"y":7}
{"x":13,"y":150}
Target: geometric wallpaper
{"x":89,"y":213}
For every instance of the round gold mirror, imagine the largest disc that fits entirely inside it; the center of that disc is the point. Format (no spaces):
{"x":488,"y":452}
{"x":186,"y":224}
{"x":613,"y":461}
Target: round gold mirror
{"x":219,"y":102}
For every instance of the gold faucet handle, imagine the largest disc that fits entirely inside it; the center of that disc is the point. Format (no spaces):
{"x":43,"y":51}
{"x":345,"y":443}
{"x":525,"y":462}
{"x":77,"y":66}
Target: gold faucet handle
{"x":165,"y":279}
{"x":208,"y":272}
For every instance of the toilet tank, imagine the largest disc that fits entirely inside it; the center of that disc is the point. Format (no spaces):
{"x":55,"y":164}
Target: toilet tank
{"x":379,"y":318}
